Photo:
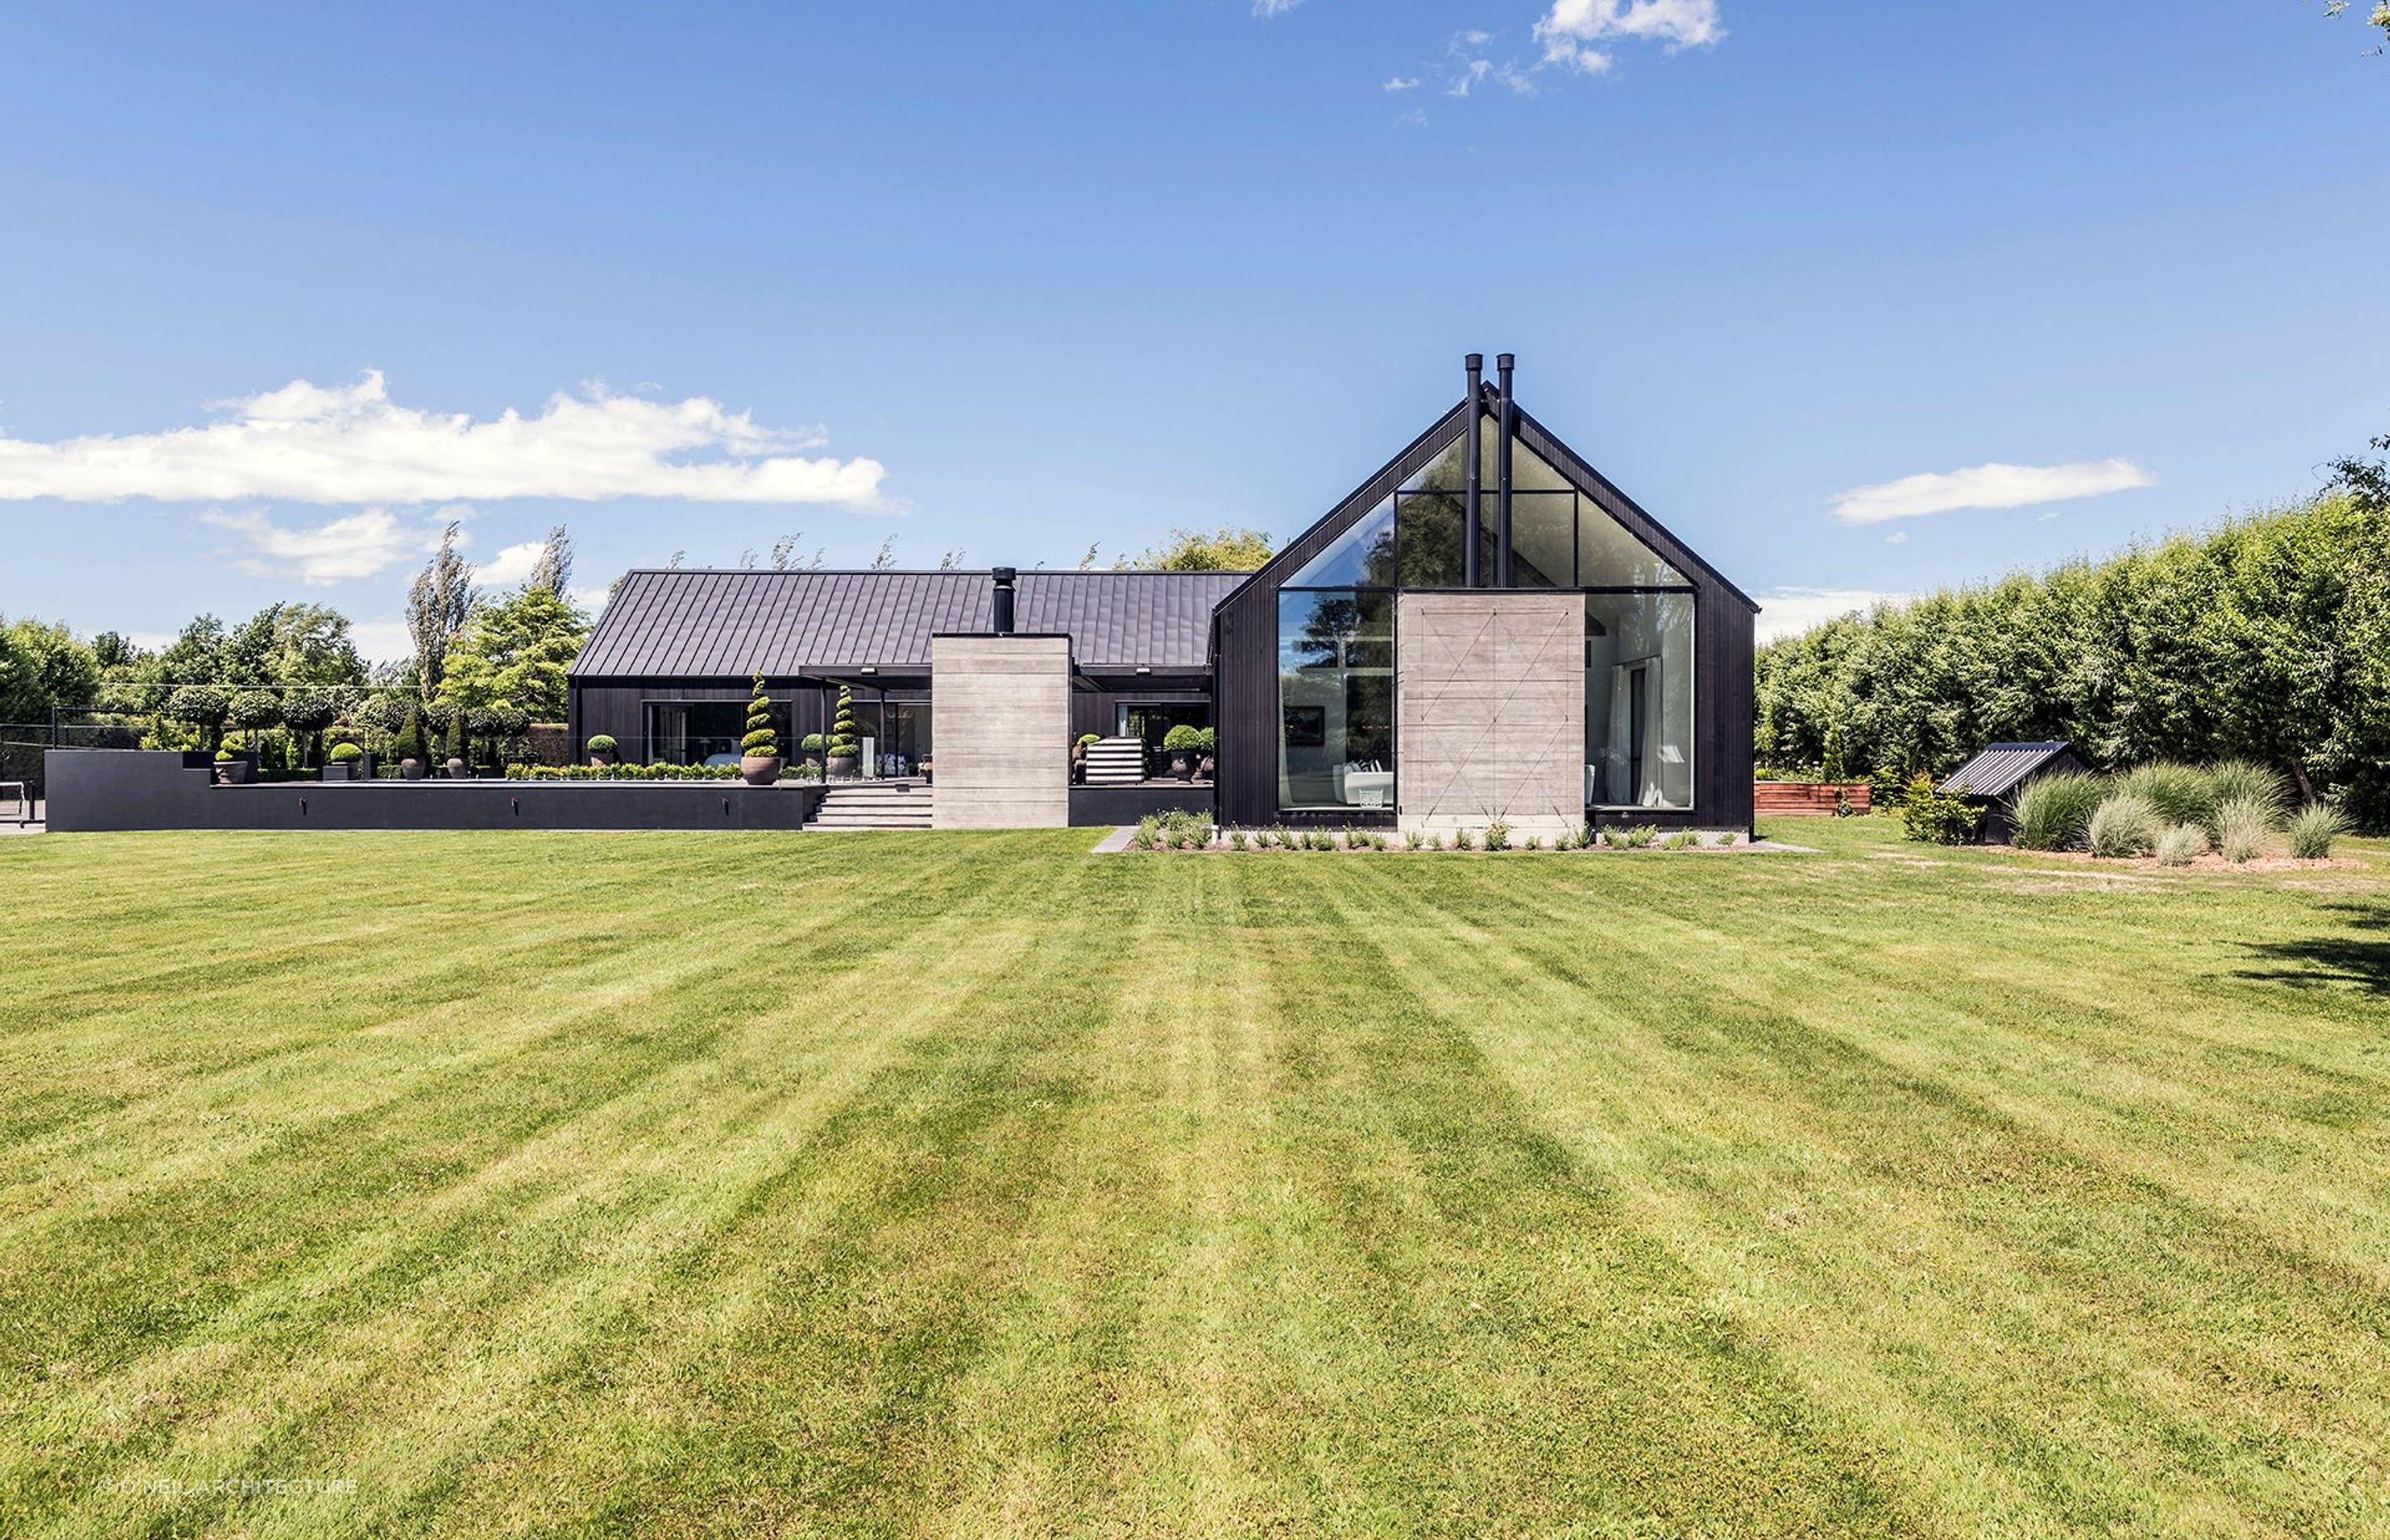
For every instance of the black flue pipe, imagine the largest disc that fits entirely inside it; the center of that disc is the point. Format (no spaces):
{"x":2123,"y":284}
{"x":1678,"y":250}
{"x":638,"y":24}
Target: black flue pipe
{"x":1002,"y":608}
{"x":1471,"y":518}
{"x":1502,"y":365}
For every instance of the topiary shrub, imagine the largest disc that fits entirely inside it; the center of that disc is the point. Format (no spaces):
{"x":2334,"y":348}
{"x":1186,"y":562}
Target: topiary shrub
{"x":1927,"y":815}
{"x":1182,"y":740}
{"x":845,"y":737}
{"x":2182,"y":844}
{"x":2054,"y":813}
{"x":811,"y":743}
{"x":2126,"y":824}
{"x":345,"y":754}
{"x":1090,"y":739}
{"x":2181,"y":793}
{"x":763,"y":741}
{"x":603,"y":743}
{"x":224,"y":756}
{"x":2314,"y":828}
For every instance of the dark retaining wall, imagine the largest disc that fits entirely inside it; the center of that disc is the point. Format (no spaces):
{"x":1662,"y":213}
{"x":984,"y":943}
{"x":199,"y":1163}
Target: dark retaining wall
{"x":93,"y":790}
{"x":1108,"y":806}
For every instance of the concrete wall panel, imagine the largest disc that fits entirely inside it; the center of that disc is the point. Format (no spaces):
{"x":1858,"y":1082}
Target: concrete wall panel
{"x":1002,"y":707}
{"x":1490,"y":708}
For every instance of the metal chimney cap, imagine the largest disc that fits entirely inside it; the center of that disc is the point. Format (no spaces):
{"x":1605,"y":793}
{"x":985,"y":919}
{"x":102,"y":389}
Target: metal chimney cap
{"x":1474,"y":361}
{"x":1003,"y":574}
{"x":1504,"y":361}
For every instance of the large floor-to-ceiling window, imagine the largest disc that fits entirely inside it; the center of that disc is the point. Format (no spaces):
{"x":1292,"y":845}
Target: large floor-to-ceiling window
{"x":1336,"y":634}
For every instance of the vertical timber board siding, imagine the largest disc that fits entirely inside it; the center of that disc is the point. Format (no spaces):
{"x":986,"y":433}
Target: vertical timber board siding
{"x":1490,"y":708}
{"x":1001,"y":706}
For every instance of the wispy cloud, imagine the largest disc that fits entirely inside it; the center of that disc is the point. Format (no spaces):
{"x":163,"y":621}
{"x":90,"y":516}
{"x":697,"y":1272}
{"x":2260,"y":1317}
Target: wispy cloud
{"x":339,"y":550}
{"x":1267,"y":9}
{"x":1402,"y":83}
{"x":1790,"y":611}
{"x":351,"y":444}
{"x":1571,"y":30}
{"x":1987,"y":486}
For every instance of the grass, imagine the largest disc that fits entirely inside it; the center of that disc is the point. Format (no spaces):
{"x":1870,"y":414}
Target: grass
{"x":973,"y":1184}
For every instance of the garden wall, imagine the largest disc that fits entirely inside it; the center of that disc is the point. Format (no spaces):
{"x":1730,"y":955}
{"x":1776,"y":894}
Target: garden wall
{"x":93,"y":790}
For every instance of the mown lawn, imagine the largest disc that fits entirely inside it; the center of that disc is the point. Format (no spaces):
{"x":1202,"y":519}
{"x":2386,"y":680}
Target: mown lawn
{"x":665,"y":1184}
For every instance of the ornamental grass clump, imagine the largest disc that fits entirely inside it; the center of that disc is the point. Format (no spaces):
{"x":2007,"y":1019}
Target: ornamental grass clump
{"x":2240,"y":780}
{"x":2182,"y":844}
{"x":2314,"y":828}
{"x":2126,"y":824}
{"x":2242,"y":828}
{"x":1498,"y":834}
{"x":2181,"y":793}
{"x":2054,"y":813}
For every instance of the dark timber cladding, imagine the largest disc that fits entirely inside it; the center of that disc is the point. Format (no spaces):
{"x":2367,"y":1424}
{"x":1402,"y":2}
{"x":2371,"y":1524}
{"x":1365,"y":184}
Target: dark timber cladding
{"x":674,"y":635}
{"x":1245,"y":664}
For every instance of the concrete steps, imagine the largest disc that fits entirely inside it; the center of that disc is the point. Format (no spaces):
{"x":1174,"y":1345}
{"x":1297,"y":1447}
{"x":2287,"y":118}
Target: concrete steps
{"x":873,"y":805}
{"x":1115,"y":762}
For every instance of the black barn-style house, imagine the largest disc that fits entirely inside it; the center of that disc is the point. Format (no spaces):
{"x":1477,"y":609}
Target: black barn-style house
{"x":1486,"y":628}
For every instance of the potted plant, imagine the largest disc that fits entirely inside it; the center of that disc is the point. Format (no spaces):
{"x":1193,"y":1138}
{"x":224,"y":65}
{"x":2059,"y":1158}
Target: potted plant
{"x":602,"y":748}
{"x":925,"y":773}
{"x":233,"y":770}
{"x":1079,"y":754}
{"x":344,"y":762}
{"x":760,"y":750}
{"x":1206,"y":741}
{"x":810,"y":747}
{"x":1181,"y":742}
{"x":458,"y":769}
{"x":845,"y":745}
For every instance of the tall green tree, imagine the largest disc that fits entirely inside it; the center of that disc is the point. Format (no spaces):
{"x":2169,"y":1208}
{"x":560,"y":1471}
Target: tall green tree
{"x":44,"y":666}
{"x":1226,"y":549}
{"x":439,"y":603}
{"x":514,"y":653}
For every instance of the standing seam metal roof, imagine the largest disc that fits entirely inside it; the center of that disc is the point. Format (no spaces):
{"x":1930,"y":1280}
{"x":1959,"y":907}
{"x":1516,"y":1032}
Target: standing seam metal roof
{"x":728,"y":624}
{"x":2001,"y":767}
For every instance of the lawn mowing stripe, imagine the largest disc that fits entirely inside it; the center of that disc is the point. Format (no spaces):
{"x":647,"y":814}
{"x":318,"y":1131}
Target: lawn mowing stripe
{"x":1420,"y":1158}
{"x":345,"y":1280}
{"x":1818,"y":1074}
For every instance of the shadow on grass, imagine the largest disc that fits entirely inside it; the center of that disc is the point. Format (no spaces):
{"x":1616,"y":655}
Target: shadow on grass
{"x":2360,"y":959}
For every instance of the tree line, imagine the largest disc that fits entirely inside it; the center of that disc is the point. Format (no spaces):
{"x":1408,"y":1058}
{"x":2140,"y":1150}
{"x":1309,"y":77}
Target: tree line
{"x":485,"y":664}
{"x":2266,"y":638}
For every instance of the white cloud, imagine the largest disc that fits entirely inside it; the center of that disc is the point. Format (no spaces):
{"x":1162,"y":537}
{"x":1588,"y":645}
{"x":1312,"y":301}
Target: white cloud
{"x":1402,"y":83}
{"x":1898,"y":537}
{"x":1790,"y":611}
{"x":511,"y":565}
{"x":355,"y":546}
{"x":591,"y":600}
{"x":1572,"y":28}
{"x":382,"y":641}
{"x":1987,"y":486}
{"x":1267,"y":9}
{"x":310,"y":443}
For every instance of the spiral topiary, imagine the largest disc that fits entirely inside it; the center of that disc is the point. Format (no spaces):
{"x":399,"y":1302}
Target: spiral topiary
{"x":846,"y":739}
{"x":763,"y":741}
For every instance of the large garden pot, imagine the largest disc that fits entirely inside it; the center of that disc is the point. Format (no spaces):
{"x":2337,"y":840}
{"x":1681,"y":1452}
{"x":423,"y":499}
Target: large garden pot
{"x":1203,"y":770}
{"x":760,"y":769}
{"x":411,"y":768}
{"x":340,"y":770}
{"x":601,"y":761}
{"x":844,"y":765}
{"x":458,"y":770}
{"x":1182,"y":767}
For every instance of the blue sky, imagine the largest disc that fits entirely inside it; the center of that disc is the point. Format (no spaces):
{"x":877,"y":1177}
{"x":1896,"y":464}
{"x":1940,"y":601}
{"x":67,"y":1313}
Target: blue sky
{"x":1015,"y":279}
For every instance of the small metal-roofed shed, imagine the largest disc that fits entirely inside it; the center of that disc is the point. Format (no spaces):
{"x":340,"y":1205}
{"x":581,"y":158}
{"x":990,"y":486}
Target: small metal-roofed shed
{"x":1992,"y":779}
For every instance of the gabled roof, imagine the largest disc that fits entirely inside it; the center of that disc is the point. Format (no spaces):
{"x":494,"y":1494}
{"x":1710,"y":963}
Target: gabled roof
{"x":728,"y":624}
{"x":2002,"y":767}
{"x":1439,"y":437}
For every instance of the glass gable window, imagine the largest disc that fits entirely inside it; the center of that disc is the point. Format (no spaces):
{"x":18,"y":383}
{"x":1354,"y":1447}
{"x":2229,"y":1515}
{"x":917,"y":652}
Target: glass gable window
{"x":1336,"y":624}
{"x":1639,"y":700}
{"x":1363,"y":555}
{"x":1336,"y":699}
